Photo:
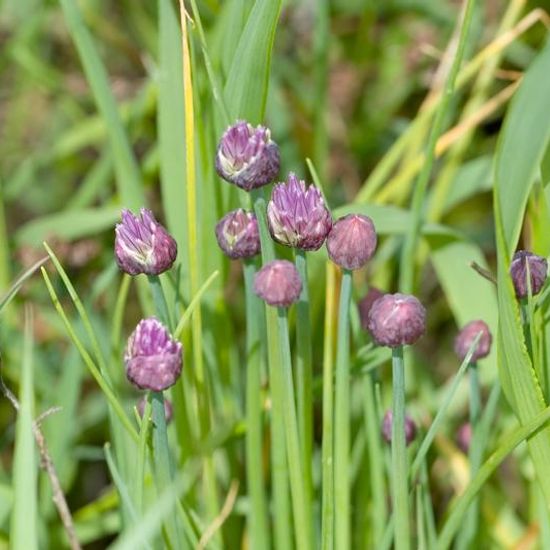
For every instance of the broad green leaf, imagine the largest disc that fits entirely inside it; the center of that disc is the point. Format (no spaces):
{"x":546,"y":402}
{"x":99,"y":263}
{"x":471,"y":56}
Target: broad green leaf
{"x":24,"y":532}
{"x":68,"y":225}
{"x":248,"y":79}
{"x":126,"y":167}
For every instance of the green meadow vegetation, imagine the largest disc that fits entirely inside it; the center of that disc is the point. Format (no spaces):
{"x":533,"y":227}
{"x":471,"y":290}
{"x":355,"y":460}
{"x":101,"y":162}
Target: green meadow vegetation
{"x":431,"y":118}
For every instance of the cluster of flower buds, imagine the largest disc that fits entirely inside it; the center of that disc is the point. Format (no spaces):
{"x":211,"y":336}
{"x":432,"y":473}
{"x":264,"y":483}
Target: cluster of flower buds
{"x":466,"y":337}
{"x":410,"y":428}
{"x":528,"y":269}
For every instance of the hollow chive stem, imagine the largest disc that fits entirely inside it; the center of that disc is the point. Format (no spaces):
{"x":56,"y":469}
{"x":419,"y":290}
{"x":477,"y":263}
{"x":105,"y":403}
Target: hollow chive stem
{"x":399,"y":453}
{"x":160,"y":301}
{"x":342,"y":420}
{"x":304,"y":378}
{"x":257,"y":517}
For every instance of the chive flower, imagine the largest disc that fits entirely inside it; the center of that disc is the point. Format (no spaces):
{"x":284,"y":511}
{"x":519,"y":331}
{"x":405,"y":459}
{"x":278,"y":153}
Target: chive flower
{"x":237,"y":234}
{"x":153,"y":358}
{"x":538,"y":267}
{"x":366,"y":304}
{"x":466,"y":337}
{"x":278,"y":283}
{"x":352,"y":241}
{"x":396,"y":320}
{"x":142,"y":245}
{"x":297,"y":215}
{"x":247,"y":156}
{"x":168,"y":409}
{"x":410,"y":428}
{"x":464,"y":437}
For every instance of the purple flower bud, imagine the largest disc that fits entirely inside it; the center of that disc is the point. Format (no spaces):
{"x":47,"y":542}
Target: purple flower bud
{"x":247,"y":157}
{"x":278,"y":283}
{"x":466,"y":337}
{"x":410,"y":428}
{"x":366,"y":304}
{"x":351,"y":241}
{"x":168,"y":409}
{"x":237,"y":234}
{"x":142,"y":245}
{"x":153,"y":359}
{"x":538,"y":267}
{"x":297,"y":215}
{"x":396,"y":320}
{"x":464,"y":437}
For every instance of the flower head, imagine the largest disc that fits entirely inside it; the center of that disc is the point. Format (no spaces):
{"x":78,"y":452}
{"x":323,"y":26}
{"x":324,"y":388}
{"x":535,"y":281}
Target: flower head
{"x":153,"y":359}
{"x":464,"y":437}
{"x":237,"y":234}
{"x":168,"y":409}
{"x":352,"y":241}
{"x":247,"y":156}
{"x":278,"y":283}
{"x":366,"y":304}
{"x":142,"y":245}
{"x":465,"y":338}
{"x":396,"y":320}
{"x":410,"y":428}
{"x":297,"y":215}
{"x":538,"y":266}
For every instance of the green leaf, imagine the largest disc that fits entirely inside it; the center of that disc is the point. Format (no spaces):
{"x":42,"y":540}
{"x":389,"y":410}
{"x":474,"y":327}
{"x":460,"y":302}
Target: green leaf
{"x":247,"y":83}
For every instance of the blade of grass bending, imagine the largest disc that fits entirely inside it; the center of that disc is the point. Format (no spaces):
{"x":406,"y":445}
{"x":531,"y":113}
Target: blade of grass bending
{"x":18,"y":283}
{"x":94,"y":371}
{"x":23,"y":525}
{"x":304,"y":377}
{"x":126,"y":167}
{"x":327,"y":479}
{"x":184,"y":319}
{"x":510,"y":441}
{"x":5,"y":274}
{"x":406,"y":274}
{"x":342,"y":419}
{"x":257,"y":515}
{"x":203,"y":396}
{"x":151,"y":522}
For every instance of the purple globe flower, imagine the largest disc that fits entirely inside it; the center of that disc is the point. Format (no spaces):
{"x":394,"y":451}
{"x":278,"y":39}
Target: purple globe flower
{"x":396,"y":320}
{"x":237,"y":234}
{"x":153,"y":359}
{"x":142,"y":245}
{"x":278,"y":283}
{"x":366,"y":304}
{"x":466,"y":337}
{"x":247,"y":156}
{"x":410,"y":428}
{"x":538,"y":267}
{"x":297,"y":215}
{"x":352,"y":241}
{"x":168,"y":409}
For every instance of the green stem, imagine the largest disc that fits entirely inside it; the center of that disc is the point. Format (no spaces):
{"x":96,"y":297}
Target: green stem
{"x":327,"y":513}
{"x":160,"y":301}
{"x":142,"y":454}
{"x":5,"y":274}
{"x":411,"y":238}
{"x":304,"y":377}
{"x":342,"y":419}
{"x":302,"y":531}
{"x":257,"y":518}
{"x":399,"y":453}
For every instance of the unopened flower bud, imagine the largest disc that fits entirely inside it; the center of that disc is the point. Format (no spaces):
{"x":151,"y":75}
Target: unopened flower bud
{"x":297,"y":215}
{"x":153,"y":359}
{"x":352,"y":241}
{"x":278,"y":283}
{"x":410,"y":428}
{"x":237,"y":234}
{"x":168,"y":409}
{"x":247,"y":156}
{"x":538,"y":267}
{"x":142,"y":245}
{"x":464,"y":437}
{"x":466,"y":337}
{"x":396,"y":320}
{"x":366,"y":304}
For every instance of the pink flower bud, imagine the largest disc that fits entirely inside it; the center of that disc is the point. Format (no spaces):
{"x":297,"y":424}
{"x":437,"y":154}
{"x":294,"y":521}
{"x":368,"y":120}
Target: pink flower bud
{"x":538,"y":267}
{"x":237,"y":234}
{"x":410,"y":428}
{"x":466,"y":337}
{"x":278,"y":283}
